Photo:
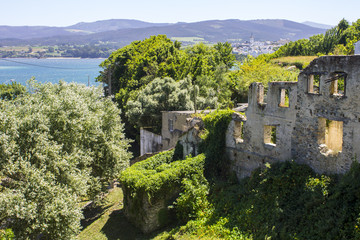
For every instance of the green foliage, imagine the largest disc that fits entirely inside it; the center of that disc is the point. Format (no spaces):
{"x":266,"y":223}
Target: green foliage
{"x":193,"y":199}
{"x":6,"y":234}
{"x":199,"y":72}
{"x":261,"y":70}
{"x":283,"y":201}
{"x":338,"y":40}
{"x":165,"y":95}
{"x":299,"y":62}
{"x":178,"y":152}
{"x":158,"y":174}
{"x":213,"y":144}
{"x":61,"y":143}
{"x":11,"y":91}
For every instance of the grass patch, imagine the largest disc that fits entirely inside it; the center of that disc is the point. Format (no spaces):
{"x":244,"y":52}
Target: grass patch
{"x":299,"y":61}
{"x":108,"y":222}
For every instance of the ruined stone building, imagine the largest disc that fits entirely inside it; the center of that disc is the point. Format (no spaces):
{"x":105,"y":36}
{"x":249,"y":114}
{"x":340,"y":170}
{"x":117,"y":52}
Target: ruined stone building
{"x":315,"y":121}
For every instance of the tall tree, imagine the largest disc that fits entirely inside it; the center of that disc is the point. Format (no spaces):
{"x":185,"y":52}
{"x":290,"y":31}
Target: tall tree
{"x":59,"y":144}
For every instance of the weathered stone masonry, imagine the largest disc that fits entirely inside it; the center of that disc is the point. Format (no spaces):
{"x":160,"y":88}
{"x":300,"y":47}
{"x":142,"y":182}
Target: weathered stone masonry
{"x":315,"y":121}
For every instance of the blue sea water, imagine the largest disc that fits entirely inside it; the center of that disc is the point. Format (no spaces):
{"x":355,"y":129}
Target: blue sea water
{"x":50,"y":70}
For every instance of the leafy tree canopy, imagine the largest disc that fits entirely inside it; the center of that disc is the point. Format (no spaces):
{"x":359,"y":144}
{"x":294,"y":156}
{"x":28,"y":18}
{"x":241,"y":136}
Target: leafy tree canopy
{"x":11,"y":91}
{"x":337,"y":40}
{"x":166,"y":94}
{"x":59,"y":144}
{"x":258,"y":70}
{"x":130,"y":69}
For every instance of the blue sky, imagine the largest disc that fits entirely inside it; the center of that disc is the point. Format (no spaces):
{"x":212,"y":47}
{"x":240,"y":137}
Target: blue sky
{"x":68,"y":12}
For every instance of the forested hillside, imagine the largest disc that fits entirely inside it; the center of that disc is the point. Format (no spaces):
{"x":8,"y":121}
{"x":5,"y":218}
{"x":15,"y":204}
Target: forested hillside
{"x":338,"y":40}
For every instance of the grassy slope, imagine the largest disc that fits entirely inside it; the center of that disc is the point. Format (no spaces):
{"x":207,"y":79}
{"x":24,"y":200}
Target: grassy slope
{"x":298,"y":61}
{"x":108,"y":222}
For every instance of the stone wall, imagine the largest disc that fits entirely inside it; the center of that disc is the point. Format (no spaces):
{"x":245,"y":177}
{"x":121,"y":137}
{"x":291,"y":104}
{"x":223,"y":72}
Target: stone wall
{"x":150,"y":215}
{"x":174,"y":124}
{"x":327,"y":126}
{"x":149,"y":142}
{"x":264,"y":136}
{"x":315,"y":121}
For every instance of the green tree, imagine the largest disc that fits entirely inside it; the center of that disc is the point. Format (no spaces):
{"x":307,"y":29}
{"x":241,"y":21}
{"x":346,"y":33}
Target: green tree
{"x":166,"y":94}
{"x":258,"y":70}
{"x":11,"y":91}
{"x":59,"y":144}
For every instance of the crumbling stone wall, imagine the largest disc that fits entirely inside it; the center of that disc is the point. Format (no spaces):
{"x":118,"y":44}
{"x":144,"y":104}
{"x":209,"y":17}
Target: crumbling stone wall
{"x":262,"y":117}
{"x":150,"y":215}
{"x":315,"y":121}
{"x":174,"y":124}
{"x":328,"y":114}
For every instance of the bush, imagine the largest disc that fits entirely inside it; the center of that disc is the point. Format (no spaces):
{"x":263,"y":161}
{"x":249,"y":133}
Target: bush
{"x":62,"y":143}
{"x":160,"y":174}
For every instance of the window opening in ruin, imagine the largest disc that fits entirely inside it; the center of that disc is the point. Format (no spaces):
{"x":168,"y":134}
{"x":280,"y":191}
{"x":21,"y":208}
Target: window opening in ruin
{"x":260,"y":94}
{"x":270,"y":135}
{"x":171,"y":125}
{"x":239,"y":132}
{"x":284,"y":98}
{"x":330,"y":136}
{"x":314,"y":83}
{"x":338,"y":83}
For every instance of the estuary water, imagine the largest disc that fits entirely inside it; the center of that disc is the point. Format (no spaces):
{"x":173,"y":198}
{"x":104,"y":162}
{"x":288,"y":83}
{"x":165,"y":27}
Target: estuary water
{"x":52,"y":70}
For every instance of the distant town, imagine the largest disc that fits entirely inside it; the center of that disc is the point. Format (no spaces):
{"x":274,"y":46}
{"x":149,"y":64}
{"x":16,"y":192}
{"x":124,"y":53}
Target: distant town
{"x":255,"y":48}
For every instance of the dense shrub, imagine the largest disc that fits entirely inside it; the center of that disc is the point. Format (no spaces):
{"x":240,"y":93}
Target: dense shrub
{"x":213,"y":144}
{"x":283,"y":201}
{"x":62,"y":143}
{"x":160,"y":174}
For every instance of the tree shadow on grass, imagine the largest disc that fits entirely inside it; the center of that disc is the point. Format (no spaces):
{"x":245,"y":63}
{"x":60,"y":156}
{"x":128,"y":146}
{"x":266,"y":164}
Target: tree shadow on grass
{"x":91,"y":214}
{"x":118,"y":227}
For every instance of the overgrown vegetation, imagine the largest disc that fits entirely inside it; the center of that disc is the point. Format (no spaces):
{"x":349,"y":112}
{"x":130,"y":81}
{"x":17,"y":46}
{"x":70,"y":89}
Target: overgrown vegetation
{"x":11,"y":91}
{"x":58,"y":145}
{"x":259,"y":69}
{"x":283,"y":201}
{"x":338,"y":40}
{"x":197,"y":75}
{"x":159,"y":175}
{"x":213,"y":144}
{"x":300,"y":62}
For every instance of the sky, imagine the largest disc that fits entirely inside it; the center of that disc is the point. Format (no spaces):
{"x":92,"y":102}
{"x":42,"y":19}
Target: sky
{"x":69,"y":12}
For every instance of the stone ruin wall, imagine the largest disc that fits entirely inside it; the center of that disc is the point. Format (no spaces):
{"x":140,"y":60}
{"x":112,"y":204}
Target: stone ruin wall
{"x":327,"y":126}
{"x":248,"y":141}
{"x":315,"y":124}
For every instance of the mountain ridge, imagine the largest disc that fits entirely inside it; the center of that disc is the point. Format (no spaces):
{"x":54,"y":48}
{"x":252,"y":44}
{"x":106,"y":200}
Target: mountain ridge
{"x":124,"y":31}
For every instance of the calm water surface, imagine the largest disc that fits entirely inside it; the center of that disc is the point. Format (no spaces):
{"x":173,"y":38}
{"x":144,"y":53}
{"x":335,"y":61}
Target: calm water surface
{"x":50,"y":70}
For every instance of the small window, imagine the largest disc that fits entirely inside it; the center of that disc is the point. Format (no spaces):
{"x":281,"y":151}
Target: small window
{"x":239,"y":132}
{"x":171,"y":125}
{"x":338,"y":84}
{"x":270,"y":135}
{"x":314,"y":83}
{"x":330,"y":135}
{"x":284,"y":97}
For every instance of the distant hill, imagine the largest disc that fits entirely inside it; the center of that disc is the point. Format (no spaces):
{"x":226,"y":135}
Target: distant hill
{"x":113,"y":24}
{"x":124,"y":31}
{"x":317,"y":25}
